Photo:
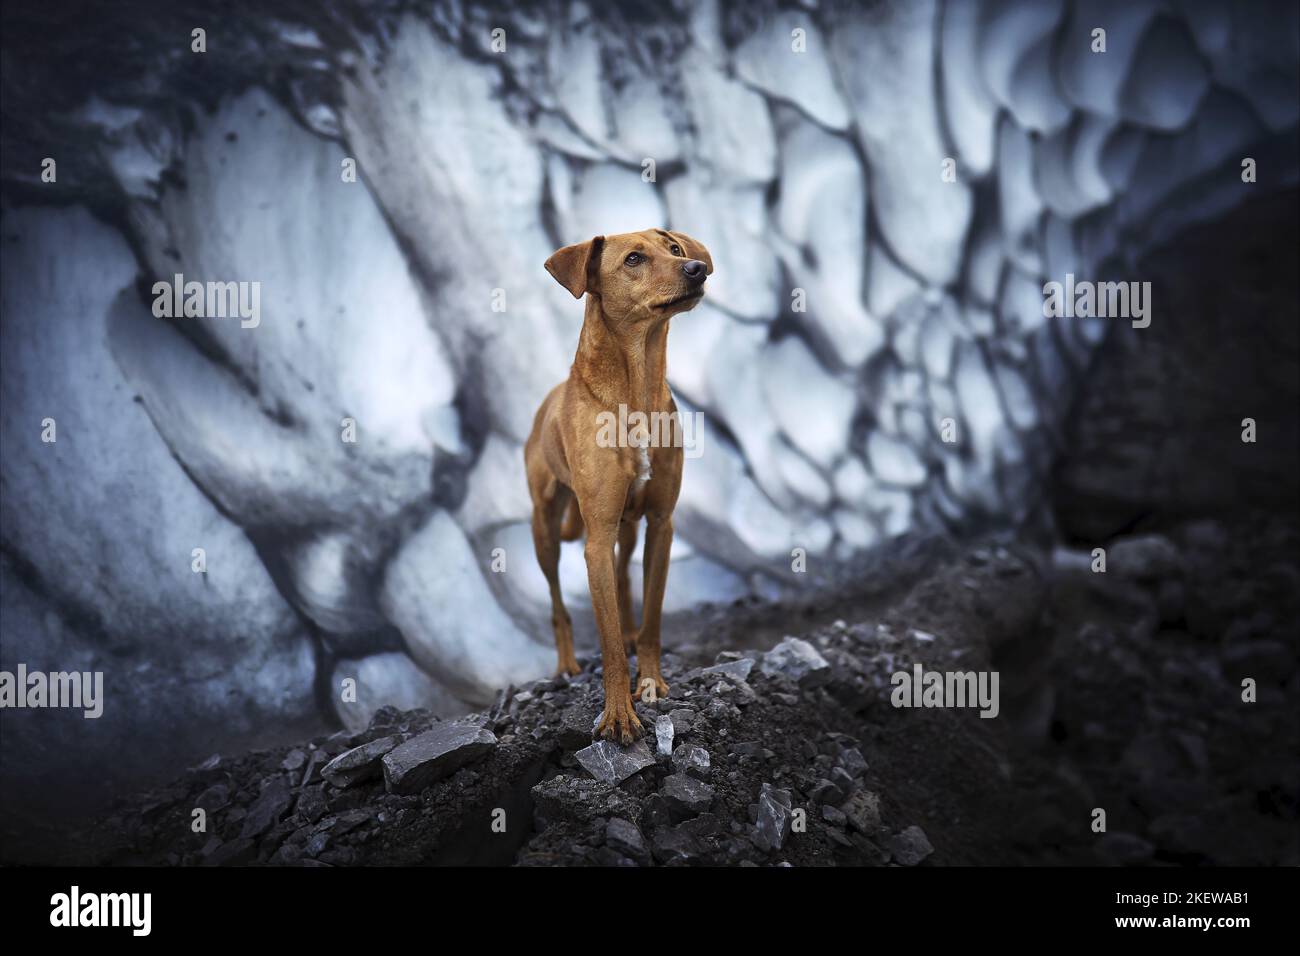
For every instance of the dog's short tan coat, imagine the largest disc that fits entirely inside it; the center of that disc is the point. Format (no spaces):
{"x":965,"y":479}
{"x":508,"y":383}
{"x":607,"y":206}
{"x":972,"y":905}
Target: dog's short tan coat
{"x":634,"y":284}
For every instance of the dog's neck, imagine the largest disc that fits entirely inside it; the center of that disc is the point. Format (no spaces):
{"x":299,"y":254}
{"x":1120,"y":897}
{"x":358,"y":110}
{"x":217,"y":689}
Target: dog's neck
{"x":623,"y":368}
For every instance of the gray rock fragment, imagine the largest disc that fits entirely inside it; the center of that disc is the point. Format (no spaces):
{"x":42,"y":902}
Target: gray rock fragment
{"x":664,"y":734}
{"x":610,"y":763}
{"x":359,"y":763}
{"x":315,"y":764}
{"x":852,"y":761}
{"x":863,"y":811}
{"x":692,"y":759}
{"x":843,"y":779}
{"x":910,"y":846}
{"x":434,"y":754}
{"x":317,"y":845}
{"x":625,"y":838}
{"x":347,"y":822}
{"x":798,"y":661}
{"x":269,"y":807}
{"x":826,"y":792}
{"x":682,"y":720}
{"x":685,"y":795}
{"x":738,"y":670}
{"x":312,"y":804}
{"x":674,"y":846}
{"x":293,"y":760}
{"x":774,"y":814}
{"x":214,"y":798}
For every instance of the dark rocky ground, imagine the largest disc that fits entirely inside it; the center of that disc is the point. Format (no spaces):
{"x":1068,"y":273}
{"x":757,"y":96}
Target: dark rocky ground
{"x":754,"y":740}
{"x":1119,"y":691}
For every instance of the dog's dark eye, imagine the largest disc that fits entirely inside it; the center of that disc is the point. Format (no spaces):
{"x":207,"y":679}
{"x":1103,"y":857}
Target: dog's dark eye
{"x":634,"y":258}
{"x":676,"y":249}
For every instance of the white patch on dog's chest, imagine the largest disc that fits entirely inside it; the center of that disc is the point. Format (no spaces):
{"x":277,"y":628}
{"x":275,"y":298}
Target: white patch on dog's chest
{"x":643,"y":473}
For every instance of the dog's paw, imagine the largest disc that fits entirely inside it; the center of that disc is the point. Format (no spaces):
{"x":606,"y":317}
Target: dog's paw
{"x":650,"y":688}
{"x":629,"y":642}
{"x":619,"y":723}
{"x":569,"y":667}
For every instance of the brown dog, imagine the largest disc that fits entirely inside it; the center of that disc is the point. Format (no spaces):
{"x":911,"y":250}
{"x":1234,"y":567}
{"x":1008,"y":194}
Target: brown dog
{"x":577,"y":476}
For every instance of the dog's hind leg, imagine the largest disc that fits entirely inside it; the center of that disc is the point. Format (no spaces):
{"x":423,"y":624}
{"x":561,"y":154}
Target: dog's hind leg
{"x":548,"y":511}
{"x":626,"y":546}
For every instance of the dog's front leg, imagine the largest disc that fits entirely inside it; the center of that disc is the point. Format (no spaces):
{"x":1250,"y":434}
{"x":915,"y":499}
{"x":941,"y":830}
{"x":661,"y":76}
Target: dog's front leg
{"x":626,"y":545}
{"x":619,"y":721}
{"x":650,"y":683}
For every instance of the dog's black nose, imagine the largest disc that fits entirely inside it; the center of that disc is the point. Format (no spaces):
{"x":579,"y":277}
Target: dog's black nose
{"x":695,"y":270}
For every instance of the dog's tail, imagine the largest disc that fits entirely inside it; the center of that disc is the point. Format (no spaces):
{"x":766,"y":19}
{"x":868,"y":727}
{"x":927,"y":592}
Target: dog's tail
{"x":571,"y":528}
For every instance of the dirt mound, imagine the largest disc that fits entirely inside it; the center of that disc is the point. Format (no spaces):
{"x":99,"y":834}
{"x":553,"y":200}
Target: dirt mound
{"x":793,"y":755}
{"x":1116,"y":691}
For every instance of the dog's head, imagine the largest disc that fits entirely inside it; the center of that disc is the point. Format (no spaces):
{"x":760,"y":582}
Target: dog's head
{"x":637,"y":276}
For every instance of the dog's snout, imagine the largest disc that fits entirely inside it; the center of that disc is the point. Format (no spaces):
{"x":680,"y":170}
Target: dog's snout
{"x":694,"y":270}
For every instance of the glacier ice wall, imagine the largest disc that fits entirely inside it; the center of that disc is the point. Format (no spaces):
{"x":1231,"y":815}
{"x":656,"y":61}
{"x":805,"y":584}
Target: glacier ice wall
{"x":885,"y":188}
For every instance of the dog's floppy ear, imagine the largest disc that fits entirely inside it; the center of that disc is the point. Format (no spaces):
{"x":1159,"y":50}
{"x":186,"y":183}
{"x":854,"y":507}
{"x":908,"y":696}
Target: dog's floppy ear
{"x":577,"y":267}
{"x":695,"y":249}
